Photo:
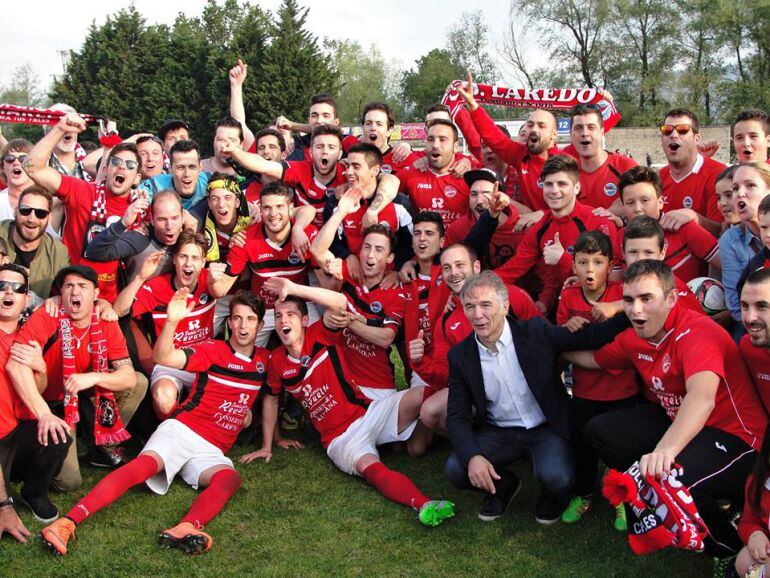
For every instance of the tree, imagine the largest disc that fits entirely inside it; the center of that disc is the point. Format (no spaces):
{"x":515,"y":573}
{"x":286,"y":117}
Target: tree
{"x":468,"y":46}
{"x":424,"y":86}
{"x":24,"y":90}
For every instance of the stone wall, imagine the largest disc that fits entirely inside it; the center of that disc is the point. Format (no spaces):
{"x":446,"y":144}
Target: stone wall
{"x":640,"y":141}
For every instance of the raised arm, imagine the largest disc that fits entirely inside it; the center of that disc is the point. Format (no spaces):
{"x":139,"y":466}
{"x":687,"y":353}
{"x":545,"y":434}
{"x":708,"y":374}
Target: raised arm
{"x":347,"y":205}
{"x":237,"y":110}
{"x":252,"y":161}
{"x":164,"y":351}
{"x":324,"y":297}
{"x":36,"y":165}
{"x":125,"y":299}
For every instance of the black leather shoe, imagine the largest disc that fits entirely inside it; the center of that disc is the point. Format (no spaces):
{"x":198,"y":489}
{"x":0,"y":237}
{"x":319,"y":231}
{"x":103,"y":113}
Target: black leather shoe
{"x":548,"y":510}
{"x":107,"y":457}
{"x":495,"y":505}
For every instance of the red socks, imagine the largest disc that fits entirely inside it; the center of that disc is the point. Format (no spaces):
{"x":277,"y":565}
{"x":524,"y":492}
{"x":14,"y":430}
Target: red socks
{"x":394,"y":486}
{"x":211,"y":500}
{"x":114,"y":485}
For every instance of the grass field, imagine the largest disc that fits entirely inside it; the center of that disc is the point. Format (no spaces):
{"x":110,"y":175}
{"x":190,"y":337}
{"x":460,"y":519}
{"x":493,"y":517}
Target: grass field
{"x":299,"y":516}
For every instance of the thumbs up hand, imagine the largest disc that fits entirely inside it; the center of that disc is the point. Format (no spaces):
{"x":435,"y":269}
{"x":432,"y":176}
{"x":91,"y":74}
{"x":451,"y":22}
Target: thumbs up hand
{"x":417,"y":348}
{"x":552,"y":252}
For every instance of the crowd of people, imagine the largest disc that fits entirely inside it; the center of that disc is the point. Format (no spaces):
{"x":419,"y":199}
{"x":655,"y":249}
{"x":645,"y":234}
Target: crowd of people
{"x":536,"y":296}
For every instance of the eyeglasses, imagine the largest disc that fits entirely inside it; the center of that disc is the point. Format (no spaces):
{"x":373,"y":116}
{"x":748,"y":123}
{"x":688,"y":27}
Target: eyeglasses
{"x":15,"y":286}
{"x":9,"y":158}
{"x":39,"y":213}
{"x":667,"y":129}
{"x":117,"y":162}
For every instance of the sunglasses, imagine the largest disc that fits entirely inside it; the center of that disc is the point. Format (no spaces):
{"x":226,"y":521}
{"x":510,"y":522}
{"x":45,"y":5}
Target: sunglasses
{"x":117,"y":162}
{"x":9,"y":158}
{"x":15,"y":286}
{"x":39,"y":213}
{"x":667,"y":129}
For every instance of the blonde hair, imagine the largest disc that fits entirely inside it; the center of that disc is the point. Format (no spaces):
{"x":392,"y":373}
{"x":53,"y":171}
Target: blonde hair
{"x":761,"y":167}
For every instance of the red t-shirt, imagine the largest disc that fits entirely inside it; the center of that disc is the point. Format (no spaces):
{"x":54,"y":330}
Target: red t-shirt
{"x":9,"y":400}
{"x":320,"y":381}
{"x":541,"y":234}
{"x":153,"y":297}
{"x":516,"y":155}
{"x":391,"y":215}
{"x":389,"y":166}
{"x":758,"y":362}
{"x":79,"y":198}
{"x":696,"y":191}
{"x":226,"y":386}
{"x":267,"y":259}
{"x":307,"y":189}
{"x":600,"y":187}
{"x":504,"y":242}
{"x":693,"y":343}
{"x":44,"y":329}
{"x":370,"y":364}
{"x":689,"y":250}
{"x":454,"y":326}
{"x":428,"y":191}
{"x":595,"y":384}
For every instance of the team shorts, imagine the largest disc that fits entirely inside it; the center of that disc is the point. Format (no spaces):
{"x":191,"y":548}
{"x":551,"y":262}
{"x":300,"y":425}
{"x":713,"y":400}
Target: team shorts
{"x":376,"y":393}
{"x":379,"y":425}
{"x":183,"y":452}
{"x":182,"y":379}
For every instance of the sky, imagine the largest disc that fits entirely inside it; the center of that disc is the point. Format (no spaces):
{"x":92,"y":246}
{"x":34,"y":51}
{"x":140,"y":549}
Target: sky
{"x":401,"y":29}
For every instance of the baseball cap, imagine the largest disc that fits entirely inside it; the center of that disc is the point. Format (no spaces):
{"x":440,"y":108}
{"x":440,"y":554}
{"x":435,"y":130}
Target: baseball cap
{"x":171,"y":124}
{"x":83,"y":271}
{"x":471,"y":177}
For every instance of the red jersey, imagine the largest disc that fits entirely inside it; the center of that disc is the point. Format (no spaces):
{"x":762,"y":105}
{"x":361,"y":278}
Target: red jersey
{"x":370,"y":365}
{"x":226,"y":385}
{"x":595,"y":384}
{"x":429,"y":191}
{"x":320,"y":381}
{"x":9,"y":400}
{"x":307,"y":189}
{"x":79,"y":198}
{"x":389,"y":166}
{"x":453,"y":327}
{"x":600,"y":187}
{"x":392,"y":215}
{"x":696,"y":191}
{"x":757,"y":360}
{"x":751,"y":519}
{"x":503,"y":244}
{"x":44,"y":329}
{"x":689,"y":250}
{"x":268,"y":259}
{"x":153,"y":297}
{"x":517,"y":156}
{"x":541,"y":234}
{"x":692,"y":344}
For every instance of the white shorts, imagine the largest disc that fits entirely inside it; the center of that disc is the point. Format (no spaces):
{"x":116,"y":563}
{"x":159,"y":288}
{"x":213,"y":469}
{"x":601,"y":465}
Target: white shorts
{"x":379,"y":425}
{"x":263,"y":336}
{"x":375,"y":393}
{"x":182,"y":379}
{"x":183,"y":452}
{"x":416,"y":380}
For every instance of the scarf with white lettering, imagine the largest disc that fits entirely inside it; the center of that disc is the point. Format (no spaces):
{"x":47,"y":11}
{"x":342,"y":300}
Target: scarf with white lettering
{"x":108,"y":427}
{"x":546,"y":98}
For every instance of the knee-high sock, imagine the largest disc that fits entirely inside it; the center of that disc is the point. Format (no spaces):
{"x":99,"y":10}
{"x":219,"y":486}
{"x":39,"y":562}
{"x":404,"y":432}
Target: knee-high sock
{"x":394,"y":485}
{"x":211,"y":500}
{"x":114,"y":485}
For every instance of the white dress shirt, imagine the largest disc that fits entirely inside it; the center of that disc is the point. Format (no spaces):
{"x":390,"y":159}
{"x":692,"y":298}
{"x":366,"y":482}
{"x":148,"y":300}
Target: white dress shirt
{"x":510,"y":402}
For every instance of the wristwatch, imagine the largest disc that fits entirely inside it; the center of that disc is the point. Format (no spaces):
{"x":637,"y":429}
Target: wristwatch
{"x":7,"y":502}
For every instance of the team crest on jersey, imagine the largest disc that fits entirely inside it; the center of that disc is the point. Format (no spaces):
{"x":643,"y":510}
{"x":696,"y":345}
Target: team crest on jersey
{"x":304,"y":361}
{"x":203,"y":299}
{"x":610,"y":189}
{"x":386,"y":169}
{"x":375,"y":307}
{"x":293,"y":258}
{"x":571,"y":250}
{"x":260,"y":367}
{"x":657,"y":383}
{"x":687,"y":202}
{"x":539,"y":183}
{"x":666,"y":363}
{"x":450,"y":192}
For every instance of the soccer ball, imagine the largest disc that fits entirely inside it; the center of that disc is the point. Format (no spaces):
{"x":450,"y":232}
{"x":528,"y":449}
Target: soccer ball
{"x":709,"y":293}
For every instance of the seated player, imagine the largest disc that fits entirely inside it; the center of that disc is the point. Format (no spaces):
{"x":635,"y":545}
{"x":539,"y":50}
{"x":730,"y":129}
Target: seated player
{"x":593,"y":392}
{"x":147,"y":298}
{"x":194,"y":441}
{"x":311,"y":365}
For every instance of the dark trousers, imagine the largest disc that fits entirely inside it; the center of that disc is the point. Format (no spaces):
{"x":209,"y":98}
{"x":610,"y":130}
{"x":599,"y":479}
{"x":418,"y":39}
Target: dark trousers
{"x":551,"y":457}
{"x":586,"y":460}
{"x":716,"y":464}
{"x":24,"y":459}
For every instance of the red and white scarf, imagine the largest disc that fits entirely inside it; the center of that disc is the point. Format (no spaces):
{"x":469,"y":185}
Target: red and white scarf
{"x":108,"y":427}
{"x":546,"y":98}
{"x":15,"y":114}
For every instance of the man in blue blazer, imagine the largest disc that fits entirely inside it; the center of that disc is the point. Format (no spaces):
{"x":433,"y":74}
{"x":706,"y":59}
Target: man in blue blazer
{"x":507,"y":400}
